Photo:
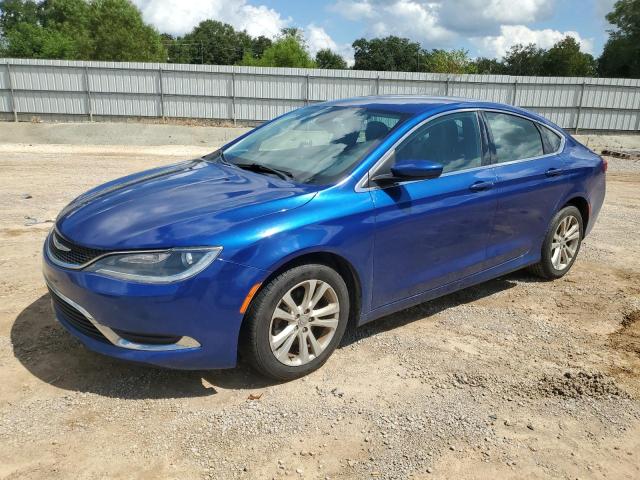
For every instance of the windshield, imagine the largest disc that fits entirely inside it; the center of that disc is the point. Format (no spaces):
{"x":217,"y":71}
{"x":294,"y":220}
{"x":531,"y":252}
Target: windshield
{"x":317,"y":144}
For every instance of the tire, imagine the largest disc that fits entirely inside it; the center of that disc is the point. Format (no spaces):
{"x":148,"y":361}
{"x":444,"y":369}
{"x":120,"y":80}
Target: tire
{"x":547,"y":268}
{"x":264,"y":328}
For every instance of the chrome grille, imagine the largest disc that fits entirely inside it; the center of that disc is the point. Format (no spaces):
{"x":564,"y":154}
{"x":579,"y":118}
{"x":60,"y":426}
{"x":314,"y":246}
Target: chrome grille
{"x":67,"y":252}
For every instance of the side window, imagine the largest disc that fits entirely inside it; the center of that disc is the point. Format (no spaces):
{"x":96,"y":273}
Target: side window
{"x":514,"y":137}
{"x":452,"y":140}
{"x":552,"y":139}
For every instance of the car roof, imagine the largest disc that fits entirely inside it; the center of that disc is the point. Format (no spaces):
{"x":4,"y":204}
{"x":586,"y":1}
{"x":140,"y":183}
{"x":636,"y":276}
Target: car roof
{"x":398,"y":103}
{"x":420,"y":104}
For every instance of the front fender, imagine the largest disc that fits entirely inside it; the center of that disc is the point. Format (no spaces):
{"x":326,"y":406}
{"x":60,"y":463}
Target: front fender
{"x":336,"y":221}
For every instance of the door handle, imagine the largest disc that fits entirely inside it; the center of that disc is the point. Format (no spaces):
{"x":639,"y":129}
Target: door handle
{"x":480,"y":186}
{"x":553,"y":172}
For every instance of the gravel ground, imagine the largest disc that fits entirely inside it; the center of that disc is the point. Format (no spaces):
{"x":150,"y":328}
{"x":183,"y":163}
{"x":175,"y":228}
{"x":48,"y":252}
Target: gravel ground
{"x":514,"y":378}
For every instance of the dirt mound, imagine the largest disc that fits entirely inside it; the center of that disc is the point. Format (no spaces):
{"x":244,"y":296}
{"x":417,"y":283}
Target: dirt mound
{"x":631,"y":318}
{"x":627,"y":337}
{"x":580,"y":384}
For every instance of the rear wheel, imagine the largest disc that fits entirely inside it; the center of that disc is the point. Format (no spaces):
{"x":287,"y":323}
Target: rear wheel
{"x":561,"y":245}
{"x":296,"y":322}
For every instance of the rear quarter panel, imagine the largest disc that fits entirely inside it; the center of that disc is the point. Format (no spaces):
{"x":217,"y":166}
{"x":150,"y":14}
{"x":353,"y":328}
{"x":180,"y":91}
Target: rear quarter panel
{"x":586,"y":178}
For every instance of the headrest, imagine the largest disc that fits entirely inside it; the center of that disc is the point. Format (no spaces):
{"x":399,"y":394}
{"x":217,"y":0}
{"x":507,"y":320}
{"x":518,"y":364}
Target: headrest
{"x":375,"y":130}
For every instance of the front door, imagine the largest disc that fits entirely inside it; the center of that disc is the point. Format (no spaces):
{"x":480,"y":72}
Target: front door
{"x":433,"y":232}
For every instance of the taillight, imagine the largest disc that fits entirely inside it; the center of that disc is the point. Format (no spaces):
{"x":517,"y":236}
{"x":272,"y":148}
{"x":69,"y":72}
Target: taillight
{"x":605,"y":164}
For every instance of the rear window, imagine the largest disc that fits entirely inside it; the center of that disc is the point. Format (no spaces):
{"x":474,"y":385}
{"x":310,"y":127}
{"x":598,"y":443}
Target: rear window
{"x":515,"y":138}
{"x":551,"y":138}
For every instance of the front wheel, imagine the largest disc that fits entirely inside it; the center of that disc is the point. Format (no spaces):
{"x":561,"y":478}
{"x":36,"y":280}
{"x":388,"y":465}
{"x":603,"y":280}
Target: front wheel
{"x":296,"y":321}
{"x":561,"y":245}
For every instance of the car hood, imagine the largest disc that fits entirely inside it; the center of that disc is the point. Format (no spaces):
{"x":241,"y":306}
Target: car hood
{"x":186,"y":204}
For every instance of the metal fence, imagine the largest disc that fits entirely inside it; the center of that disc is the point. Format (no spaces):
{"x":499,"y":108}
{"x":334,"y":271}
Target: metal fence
{"x":103,"y":90}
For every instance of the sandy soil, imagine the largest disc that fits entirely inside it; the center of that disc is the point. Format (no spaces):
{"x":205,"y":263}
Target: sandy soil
{"x":515,"y":378}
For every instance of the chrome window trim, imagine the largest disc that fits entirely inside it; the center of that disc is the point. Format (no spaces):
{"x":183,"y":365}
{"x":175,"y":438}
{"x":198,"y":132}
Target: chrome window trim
{"x":533,"y":120}
{"x":115,"y":339}
{"x":362,"y":184}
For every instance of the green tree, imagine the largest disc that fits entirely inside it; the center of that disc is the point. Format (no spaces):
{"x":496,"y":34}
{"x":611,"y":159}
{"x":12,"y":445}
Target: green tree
{"x":215,"y":43}
{"x":295,"y":33}
{"x":621,"y":54}
{"x":390,"y":53}
{"x":286,"y":51}
{"x":14,"y":12}
{"x":448,"y":61}
{"x":565,"y":59}
{"x":120,"y":34}
{"x":78,"y":30}
{"x":524,"y":60}
{"x":175,"y":54}
{"x":619,"y":58}
{"x":180,"y":50}
{"x":259,"y":45}
{"x":489,"y":66}
{"x":69,"y":18}
{"x":325,"y":58}
{"x":626,"y":16}
{"x":44,"y":30}
{"x":26,"y":40}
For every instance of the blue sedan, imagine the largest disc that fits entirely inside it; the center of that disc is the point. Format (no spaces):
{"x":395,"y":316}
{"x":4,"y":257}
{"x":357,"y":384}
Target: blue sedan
{"x":338,"y":212}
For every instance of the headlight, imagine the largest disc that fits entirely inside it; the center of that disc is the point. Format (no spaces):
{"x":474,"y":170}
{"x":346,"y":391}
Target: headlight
{"x":158,"y":266}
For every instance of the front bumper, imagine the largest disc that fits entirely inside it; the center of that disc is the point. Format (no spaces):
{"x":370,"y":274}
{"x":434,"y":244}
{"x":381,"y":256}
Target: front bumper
{"x":200,"y":316}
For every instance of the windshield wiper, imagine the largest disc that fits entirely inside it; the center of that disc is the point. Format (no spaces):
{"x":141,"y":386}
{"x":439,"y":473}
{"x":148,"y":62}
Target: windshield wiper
{"x":258,"y":167}
{"x":218,"y":155}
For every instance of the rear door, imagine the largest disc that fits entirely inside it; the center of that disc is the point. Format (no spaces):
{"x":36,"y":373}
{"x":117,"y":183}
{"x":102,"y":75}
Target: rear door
{"x":531,"y":179}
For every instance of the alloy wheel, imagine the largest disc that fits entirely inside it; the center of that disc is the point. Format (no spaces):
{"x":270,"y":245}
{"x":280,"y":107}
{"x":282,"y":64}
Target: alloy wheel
{"x":304,"y":322}
{"x":566,"y":240}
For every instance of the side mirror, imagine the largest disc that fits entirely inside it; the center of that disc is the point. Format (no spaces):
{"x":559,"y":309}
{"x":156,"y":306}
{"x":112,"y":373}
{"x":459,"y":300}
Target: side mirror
{"x":411,"y":170}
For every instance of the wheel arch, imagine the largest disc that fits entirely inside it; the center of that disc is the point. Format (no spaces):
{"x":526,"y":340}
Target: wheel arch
{"x":582,"y":204}
{"x":331,"y":259}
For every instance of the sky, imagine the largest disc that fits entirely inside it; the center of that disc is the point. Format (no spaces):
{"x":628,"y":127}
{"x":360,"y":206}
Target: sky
{"x":483,"y":27}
